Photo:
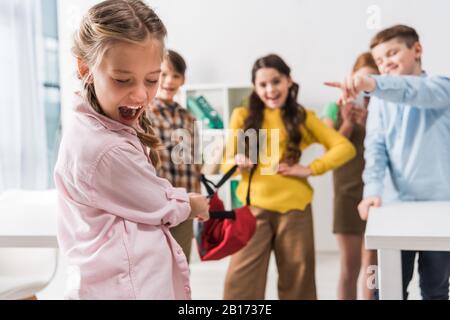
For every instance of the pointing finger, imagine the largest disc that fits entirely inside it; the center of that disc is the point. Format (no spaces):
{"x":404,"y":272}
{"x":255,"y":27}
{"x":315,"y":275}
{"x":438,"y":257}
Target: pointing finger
{"x":333,"y":84}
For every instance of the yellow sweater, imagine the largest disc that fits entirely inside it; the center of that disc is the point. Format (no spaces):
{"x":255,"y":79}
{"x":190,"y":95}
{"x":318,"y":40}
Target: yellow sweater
{"x":275,"y":192}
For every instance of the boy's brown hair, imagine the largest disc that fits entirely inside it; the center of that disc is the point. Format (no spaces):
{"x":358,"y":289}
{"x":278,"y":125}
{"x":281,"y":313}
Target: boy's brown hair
{"x":177,"y":62}
{"x":404,"y":33}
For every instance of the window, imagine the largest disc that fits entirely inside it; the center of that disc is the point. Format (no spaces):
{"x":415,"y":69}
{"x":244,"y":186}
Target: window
{"x":30,"y":122}
{"x":52,"y":99}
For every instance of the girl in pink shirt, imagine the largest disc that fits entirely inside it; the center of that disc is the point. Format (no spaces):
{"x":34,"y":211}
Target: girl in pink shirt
{"x":114,"y":212}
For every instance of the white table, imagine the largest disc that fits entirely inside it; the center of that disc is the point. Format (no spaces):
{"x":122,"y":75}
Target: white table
{"x":405,"y":226}
{"x":28,"y":219}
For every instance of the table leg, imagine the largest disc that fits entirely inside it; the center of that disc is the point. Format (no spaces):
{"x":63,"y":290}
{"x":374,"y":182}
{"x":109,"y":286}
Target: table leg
{"x":390,"y":274}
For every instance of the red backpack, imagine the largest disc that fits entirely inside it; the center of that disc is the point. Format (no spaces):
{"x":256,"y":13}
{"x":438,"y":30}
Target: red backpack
{"x":227,"y":231}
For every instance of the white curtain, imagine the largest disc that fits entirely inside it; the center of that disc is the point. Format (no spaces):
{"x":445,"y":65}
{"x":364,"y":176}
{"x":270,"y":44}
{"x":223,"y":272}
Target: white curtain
{"x":23,"y":146}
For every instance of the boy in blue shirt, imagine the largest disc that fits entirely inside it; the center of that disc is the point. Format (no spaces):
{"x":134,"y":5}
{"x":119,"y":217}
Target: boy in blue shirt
{"x":407,"y":133}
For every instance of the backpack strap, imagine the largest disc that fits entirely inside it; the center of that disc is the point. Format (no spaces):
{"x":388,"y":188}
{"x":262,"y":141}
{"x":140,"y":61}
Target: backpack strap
{"x":222,"y":215}
{"x":252,"y":172}
{"x":210,"y":186}
{"x":226,"y":177}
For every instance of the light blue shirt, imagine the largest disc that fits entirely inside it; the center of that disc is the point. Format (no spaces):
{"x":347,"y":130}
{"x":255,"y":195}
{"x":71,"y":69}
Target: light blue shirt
{"x":408,"y":133}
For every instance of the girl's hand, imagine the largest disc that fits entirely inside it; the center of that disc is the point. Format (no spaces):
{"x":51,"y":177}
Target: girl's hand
{"x":347,"y":111}
{"x":296,"y":170}
{"x":244,"y":163}
{"x":360,"y":116}
{"x":199,"y":206}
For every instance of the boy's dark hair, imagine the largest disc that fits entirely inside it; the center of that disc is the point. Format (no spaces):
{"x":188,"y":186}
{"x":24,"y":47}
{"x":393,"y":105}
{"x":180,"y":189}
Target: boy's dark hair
{"x":177,"y":62}
{"x":407,"y":34}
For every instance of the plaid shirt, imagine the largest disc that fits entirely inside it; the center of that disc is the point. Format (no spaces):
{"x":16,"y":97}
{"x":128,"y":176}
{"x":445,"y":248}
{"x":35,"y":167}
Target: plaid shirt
{"x":177,"y":167}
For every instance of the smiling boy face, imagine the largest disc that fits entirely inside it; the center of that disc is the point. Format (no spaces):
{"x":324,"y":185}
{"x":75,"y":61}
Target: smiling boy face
{"x":394,"y":57}
{"x":170,"y":82}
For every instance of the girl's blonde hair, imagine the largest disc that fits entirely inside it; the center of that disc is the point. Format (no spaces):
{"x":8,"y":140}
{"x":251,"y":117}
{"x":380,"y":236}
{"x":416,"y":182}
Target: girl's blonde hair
{"x":108,"y":22}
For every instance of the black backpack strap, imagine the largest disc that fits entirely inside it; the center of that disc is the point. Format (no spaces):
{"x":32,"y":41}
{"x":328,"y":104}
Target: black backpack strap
{"x":209,"y":185}
{"x":252,"y":172}
{"x":222,"y":215}
{"x":226,"y":177}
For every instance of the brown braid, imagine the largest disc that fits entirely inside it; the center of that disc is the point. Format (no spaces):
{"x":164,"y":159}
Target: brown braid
{"x":150,"y":139}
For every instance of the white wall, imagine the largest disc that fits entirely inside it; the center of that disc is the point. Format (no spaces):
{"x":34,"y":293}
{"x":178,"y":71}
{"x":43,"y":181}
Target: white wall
{"x":318,"y":38}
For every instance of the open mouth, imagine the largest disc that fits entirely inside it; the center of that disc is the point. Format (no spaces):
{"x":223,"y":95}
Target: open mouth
{"x":130,"y":112}
{"x":275,"y":98}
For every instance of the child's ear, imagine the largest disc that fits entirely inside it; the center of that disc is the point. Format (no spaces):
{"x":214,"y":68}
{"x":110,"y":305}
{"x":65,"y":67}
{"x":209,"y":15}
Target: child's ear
{"x":418,"y":50}
{"x":83,"y":69}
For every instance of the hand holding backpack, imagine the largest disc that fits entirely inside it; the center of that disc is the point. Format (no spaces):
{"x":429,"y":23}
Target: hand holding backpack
{"x":227,"y":231}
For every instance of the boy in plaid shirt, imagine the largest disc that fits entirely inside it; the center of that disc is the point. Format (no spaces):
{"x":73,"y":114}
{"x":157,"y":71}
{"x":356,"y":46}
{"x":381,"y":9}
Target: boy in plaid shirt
{"x":175,"y":127}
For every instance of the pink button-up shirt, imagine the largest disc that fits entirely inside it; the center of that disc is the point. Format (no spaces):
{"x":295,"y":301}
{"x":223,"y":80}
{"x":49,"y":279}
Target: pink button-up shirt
{"x":114,"y":215}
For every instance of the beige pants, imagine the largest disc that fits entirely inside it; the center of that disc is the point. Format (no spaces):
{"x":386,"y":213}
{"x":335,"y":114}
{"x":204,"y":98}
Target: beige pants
{"x":183,"y":234}
{"x":291,"y":238}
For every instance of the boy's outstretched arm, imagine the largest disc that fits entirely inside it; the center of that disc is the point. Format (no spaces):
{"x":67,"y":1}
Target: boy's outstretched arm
{"x":419,"y":91}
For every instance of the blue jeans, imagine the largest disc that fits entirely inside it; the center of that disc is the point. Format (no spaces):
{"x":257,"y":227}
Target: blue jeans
{"x":434,"y":273}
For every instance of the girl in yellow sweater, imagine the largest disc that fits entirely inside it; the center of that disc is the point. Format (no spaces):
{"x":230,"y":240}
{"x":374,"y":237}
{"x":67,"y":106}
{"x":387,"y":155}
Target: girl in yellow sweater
{"x":280,"y":193}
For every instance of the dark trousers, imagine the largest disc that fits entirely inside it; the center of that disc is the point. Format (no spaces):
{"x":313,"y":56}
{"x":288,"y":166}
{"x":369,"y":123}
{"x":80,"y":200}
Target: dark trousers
{"x":434,"y":273}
